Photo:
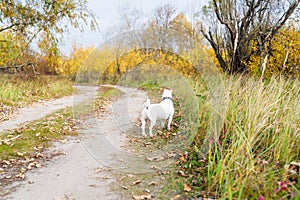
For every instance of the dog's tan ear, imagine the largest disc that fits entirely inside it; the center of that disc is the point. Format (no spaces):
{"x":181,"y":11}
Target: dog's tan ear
{"x":168,"y":88}
{"x":161,"y":90}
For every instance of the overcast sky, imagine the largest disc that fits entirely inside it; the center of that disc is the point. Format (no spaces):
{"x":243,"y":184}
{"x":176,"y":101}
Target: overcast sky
{"x":107,"y":13}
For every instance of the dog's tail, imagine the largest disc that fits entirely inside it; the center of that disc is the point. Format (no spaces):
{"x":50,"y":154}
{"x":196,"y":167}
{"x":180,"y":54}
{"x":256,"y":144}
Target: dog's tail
{"x":147,"y":103}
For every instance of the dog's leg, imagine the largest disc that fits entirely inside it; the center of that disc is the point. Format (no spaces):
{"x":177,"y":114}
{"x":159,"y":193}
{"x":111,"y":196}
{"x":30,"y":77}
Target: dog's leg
{"x":143,"y":127}
{"x":169,"y":122}
{"x":162,"y":123}
{"x":153,"y":122}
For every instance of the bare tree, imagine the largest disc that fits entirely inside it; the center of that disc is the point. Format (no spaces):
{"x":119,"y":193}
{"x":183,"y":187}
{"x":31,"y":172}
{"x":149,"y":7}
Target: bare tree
{"x":239,"y":24}
{"x":164,"y":15}
{"x":130,"y":18}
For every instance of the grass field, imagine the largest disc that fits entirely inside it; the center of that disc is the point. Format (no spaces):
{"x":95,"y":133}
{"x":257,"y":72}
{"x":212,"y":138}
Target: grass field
{"x":15,"y":91}
{"x":257,"y":155}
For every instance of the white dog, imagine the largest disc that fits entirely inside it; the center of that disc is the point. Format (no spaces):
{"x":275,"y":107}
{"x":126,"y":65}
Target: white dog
{"x":162,"y":111}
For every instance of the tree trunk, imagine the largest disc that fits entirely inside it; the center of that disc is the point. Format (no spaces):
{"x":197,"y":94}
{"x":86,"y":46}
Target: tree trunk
{"x":264,"y":65}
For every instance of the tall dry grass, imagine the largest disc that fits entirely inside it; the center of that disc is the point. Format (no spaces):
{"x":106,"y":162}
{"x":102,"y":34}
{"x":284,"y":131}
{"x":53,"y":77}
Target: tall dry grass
{"x":15,"y":90}
{"x":258,"y":152}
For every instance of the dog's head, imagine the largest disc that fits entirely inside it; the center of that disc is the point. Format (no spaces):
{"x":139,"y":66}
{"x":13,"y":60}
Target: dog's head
{"x":166,"y":92}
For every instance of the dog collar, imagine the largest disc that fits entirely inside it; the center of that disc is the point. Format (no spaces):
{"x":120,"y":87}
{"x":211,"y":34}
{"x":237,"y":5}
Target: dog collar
{"x":166,"y":98}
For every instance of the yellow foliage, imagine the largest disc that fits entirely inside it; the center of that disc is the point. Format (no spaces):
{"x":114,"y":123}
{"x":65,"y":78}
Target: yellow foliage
{"x":134,"y":58}
{"x":10,"y":48}
{"x":285,"y":55}
{"x":71,"y":65}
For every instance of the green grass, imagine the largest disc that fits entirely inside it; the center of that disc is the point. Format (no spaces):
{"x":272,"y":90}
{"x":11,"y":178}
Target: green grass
{"x":107,"y":92}
{"x":39,"y":133}
{"x":15,"y":91}
{"x":259,"y":140}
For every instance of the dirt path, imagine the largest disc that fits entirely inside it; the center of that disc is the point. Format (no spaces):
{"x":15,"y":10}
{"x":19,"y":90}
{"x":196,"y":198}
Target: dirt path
{"x":41,"y":109}
{"x":86,"y":170}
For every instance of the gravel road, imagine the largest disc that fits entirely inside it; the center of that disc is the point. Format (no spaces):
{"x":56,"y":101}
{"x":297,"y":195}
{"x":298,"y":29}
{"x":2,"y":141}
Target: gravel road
{"x":86,"y":170}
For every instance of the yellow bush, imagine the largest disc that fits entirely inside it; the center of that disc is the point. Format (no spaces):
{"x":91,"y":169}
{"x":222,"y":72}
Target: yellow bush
{"x":70,"y":65}
{"x":284,"y":58}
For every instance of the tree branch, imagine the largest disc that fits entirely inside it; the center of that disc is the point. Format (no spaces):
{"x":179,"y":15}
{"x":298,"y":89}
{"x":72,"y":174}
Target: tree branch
{"x":285,"y":17}
{"x":222,"y":21}
{"x":9,"y":27}
{"x":216,"y":48}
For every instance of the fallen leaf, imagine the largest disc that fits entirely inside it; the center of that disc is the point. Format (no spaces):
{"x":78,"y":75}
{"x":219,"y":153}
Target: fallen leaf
{"x":142,"y":197}
{"x":136,"y":182}
{"x":184,"y":157}
{"x":293,"y":172}
{"x":163,"y":172}
{"x":36,"y":148}
{"x":58,"y":153}
{"x":20,"y":154}
{"x":20,"y":175}
{"x":63,"y":141}
{"x":6,"y":162}
{"x":147,"y":144}
{"x":93,"y":185}
{"x":181,"y":173}
{"x":7,"y":142}
{"x":130,"y":175}
{"x":295,"y":164}
{"x":153,"y":167}
{"x":187,"y":188}
{"x":152,"y":183}
{"x":33,"y":164}
{"x":40,"y":155}
{"x":29,"y":167}
{"x":146,"y":190}
{"x":1,"y":170}
{"x":27,"y":160}
{"x":155,"y":159}
{"x":172,"y":155}
{"x":22,"y":170}
{"x":176,"y":197}
{"x":124,"y":187}
{"x":8,"y":177}
{"x":99,"y":170}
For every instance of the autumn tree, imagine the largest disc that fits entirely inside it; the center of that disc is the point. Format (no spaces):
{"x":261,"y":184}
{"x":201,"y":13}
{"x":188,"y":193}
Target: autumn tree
{"x":9,"y":48}
{"x":44,"y":20}
{"x":166,"y":34}
{"x":285,"y":54}
{"x":70,"y":65}
{"x":236,"y":24}
{"x":163,"y":17}
{"x":130,"y":18}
